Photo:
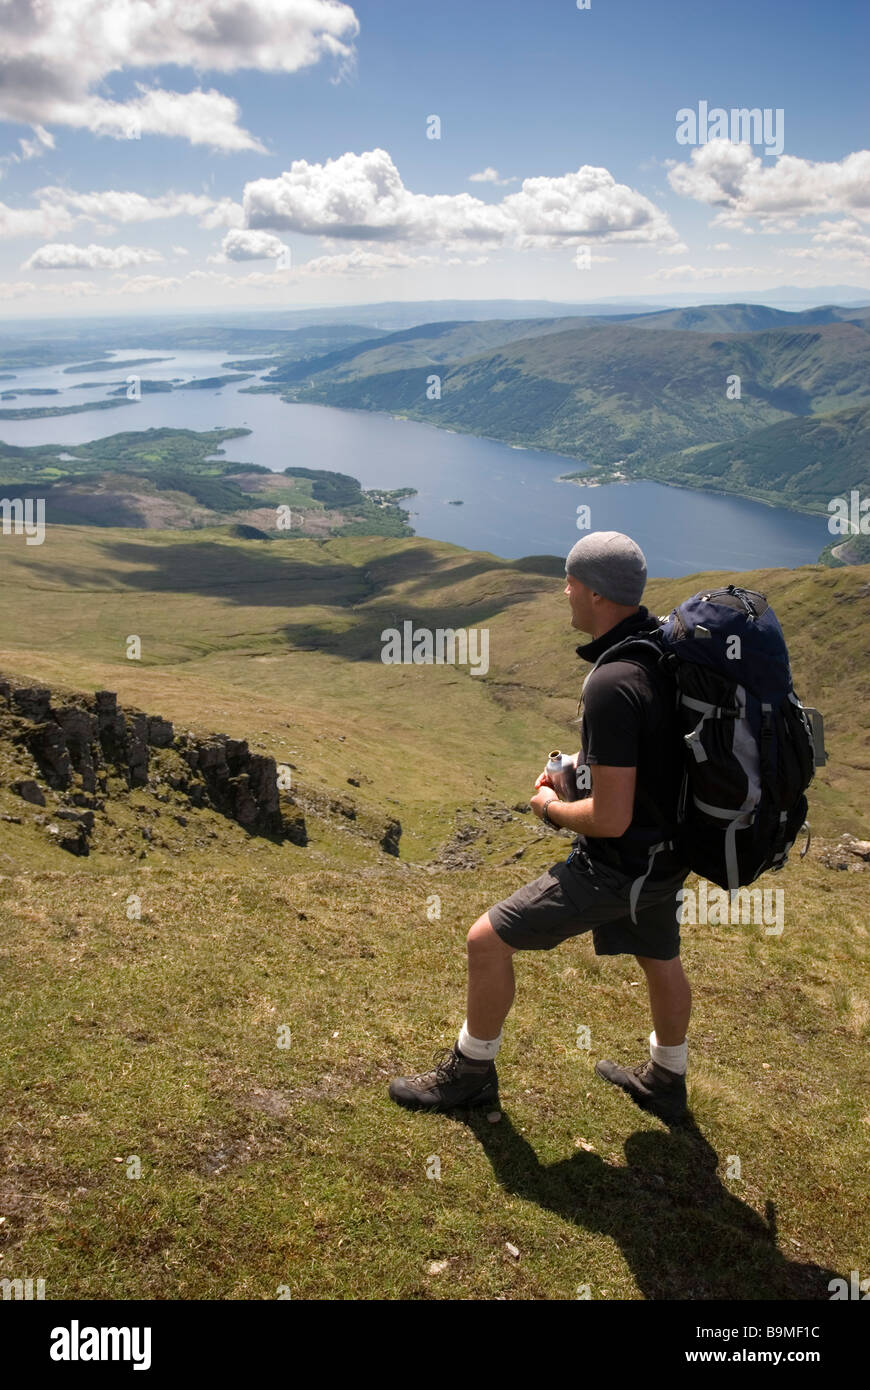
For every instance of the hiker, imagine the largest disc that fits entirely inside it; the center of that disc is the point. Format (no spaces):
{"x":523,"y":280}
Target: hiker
{"x":620,"y":881}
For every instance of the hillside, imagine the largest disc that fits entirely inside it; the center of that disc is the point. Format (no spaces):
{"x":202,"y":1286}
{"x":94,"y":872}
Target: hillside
{"x":168,"y":478}
{"x":605,"y":392}
{"x":808,"y":460}
{"x":145,"y":982}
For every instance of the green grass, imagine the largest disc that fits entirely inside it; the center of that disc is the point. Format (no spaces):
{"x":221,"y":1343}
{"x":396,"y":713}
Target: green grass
{"x":264,"y":1166}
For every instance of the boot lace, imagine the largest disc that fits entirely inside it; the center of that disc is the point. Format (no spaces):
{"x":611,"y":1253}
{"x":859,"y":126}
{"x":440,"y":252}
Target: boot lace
{"x":445,"y":1066}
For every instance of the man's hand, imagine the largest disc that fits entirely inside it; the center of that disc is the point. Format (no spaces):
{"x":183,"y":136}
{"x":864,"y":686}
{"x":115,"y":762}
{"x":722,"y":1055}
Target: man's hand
{"x":541,"y":798}
{"x":544,"y":780}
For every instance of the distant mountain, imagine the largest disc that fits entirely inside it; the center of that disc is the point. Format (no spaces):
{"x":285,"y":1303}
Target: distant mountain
{"x":782,"y":297}
{"x":426,"y":345}
{"x":746,"y":318}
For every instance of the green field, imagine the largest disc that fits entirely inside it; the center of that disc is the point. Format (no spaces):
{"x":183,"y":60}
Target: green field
{"x":264,"y":1166}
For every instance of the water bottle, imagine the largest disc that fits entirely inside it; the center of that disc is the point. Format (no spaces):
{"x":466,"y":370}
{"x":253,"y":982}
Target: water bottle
{"x":565,"y":771}
{"x":561,"y":771}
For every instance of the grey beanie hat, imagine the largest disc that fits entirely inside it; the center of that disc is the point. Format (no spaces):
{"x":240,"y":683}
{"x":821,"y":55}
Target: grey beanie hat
{"x":611,"y":564}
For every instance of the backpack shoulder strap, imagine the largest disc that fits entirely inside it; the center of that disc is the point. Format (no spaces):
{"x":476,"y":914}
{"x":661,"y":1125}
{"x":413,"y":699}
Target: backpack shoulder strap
{"x":647,"y":651}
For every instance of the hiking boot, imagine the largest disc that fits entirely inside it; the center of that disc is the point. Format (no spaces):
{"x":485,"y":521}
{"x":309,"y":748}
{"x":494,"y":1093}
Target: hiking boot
{"x":650,"y":1086}
{"x":456,"y":1080}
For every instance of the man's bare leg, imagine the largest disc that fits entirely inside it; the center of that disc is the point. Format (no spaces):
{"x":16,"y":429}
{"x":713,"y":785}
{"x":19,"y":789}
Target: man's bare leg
{"x":670,"y":998}
{"x":469,"y":1076}
{"x":660,"y":1084}
{"x":491,"y":984}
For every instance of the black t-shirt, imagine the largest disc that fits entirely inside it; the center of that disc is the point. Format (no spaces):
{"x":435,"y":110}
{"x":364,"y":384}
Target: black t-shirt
{"x":629,"y":721}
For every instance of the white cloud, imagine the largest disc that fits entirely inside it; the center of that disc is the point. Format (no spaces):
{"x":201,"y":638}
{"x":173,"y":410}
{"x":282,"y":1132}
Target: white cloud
{"x":721,"y":246}
{"x":366,"y":262}
{"x":15,"y":289}
{"x":721,"y":272}
{"x":125,"y":206}
{"x":34,"y":222}
{"x":252,"y":246}
{"x":733,"y":178}
{"x":489,"y":175}
{"x":30,"y":149}
{"x":59,"y":256}
{"x":362,"y":198}
{"x":845,"y":240}
{"x":586,"y":203}
{"x":224,"y":213}
{"x":76,"y":289}
{"x":360,"y":262}
{"x":149,"y":284}
{"x":57,"y":53}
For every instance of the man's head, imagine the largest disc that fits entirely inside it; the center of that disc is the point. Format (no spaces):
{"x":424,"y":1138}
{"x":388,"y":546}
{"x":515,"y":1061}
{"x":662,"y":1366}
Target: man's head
{"x":605,"y":578}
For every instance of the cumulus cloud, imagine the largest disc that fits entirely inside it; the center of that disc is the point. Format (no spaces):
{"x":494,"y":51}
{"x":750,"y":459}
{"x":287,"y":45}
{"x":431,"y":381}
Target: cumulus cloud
{"x":41,"y":221}
{"x":489,"y":175}
{"x":252,"y":246}
{"x":362,"y":198}
{"x":731,"y":177}
{"x":125,"y":206}
{"x":586,"y":203}
{"x":58,"y":53}
{"x":60,"y":256}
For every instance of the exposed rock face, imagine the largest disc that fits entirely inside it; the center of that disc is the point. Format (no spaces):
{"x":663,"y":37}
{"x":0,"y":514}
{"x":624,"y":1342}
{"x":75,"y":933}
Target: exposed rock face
{"x":389,"y":841}
{"x":30,"y":791}
{"x":848,"y":853}
{"x":78,"y":745}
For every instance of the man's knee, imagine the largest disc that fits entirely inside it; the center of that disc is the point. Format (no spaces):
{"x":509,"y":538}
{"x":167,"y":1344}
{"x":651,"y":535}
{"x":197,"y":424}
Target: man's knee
{"x":483,"y":939}
{"x":651,"y":965}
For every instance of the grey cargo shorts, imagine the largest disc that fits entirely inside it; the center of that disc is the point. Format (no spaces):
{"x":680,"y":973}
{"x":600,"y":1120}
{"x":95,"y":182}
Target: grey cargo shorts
{"x":580,"y":894}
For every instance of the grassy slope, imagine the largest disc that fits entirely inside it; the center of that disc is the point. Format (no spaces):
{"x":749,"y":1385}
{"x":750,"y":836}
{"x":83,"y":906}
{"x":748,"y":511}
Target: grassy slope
{"x":264,"y":1166}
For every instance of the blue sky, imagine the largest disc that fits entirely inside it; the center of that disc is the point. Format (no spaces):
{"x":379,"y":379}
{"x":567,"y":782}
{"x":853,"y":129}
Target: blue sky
{"x":229,"y":154}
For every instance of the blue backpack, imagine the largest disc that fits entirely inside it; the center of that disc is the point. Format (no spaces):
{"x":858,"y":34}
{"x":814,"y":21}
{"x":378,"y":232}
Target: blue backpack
{"x":749,"y":747}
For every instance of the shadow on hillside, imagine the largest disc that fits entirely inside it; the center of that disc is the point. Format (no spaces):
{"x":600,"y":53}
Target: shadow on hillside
{"x":683,"y":1232}
{"x":264,"y":575}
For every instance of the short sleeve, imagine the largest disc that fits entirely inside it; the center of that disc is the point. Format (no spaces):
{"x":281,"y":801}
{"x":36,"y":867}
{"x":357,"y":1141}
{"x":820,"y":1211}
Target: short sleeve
{"x":614,"y":715}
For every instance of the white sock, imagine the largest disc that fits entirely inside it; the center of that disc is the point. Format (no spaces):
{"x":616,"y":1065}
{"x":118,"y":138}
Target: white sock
{"x":480,"y":1049}
{"x":673,"y":1058}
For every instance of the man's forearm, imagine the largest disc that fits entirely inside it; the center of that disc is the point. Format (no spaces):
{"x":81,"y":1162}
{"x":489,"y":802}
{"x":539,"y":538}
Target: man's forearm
{"x":579,"y":817}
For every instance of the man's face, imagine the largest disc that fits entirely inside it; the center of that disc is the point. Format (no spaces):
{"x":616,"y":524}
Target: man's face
{"x":580,"y":599}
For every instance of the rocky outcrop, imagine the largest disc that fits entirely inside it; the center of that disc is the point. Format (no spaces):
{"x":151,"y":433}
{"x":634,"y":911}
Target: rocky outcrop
{"x":81,"y":745}
{"x":847,"y":853}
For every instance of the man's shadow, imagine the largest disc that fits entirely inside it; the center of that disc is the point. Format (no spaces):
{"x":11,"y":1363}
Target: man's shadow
{"x":685,"y":1234}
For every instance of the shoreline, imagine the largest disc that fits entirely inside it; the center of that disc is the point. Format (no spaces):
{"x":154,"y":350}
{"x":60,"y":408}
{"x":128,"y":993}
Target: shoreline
{"x":565,"y":478}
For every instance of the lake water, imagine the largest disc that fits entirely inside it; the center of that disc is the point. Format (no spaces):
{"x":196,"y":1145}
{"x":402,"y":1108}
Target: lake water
{"x":512,"y":501}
